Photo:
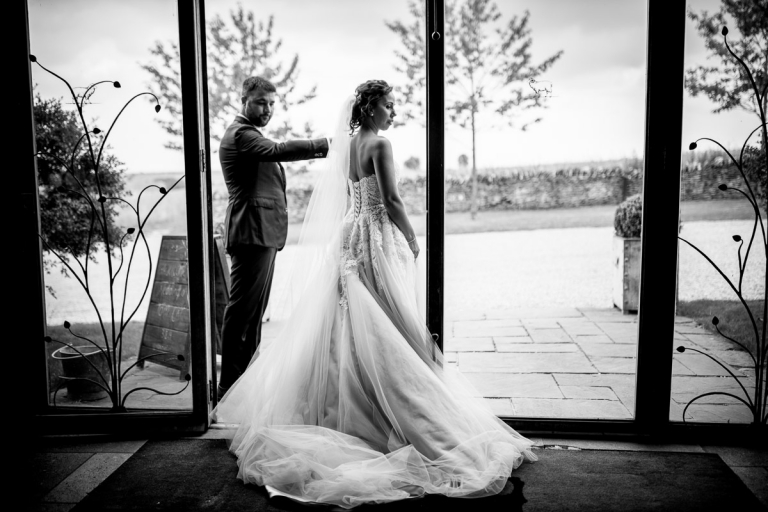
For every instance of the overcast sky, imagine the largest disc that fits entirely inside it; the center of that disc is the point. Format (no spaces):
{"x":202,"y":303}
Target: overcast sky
{"x":596,"y":111}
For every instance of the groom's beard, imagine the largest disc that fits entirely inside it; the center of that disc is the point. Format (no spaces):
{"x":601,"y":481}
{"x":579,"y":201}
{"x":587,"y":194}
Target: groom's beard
{"x":261,"y":121}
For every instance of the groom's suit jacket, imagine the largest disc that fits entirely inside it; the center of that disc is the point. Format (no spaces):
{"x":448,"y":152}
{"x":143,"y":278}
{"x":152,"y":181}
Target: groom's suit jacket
{"x":257,"y":212}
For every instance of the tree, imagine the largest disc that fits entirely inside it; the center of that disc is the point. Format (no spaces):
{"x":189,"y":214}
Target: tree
{"x":236,"y":49}
{"x":65,"y":216}
{"x":489,"y":68}
{"x":726,"y":83}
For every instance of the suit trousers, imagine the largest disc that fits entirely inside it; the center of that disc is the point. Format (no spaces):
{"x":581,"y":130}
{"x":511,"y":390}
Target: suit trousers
{"x":251,"y":278}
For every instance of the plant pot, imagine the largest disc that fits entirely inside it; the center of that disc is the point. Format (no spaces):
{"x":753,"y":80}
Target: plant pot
{"x":75,"y":366}
{"x":626,"y":274}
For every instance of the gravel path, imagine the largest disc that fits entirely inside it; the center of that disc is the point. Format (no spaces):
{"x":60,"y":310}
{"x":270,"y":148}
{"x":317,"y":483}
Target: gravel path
{"x":502,"y":270}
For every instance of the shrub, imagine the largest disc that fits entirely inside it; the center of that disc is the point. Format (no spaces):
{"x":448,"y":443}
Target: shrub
{"x":755,"y":171}
{"x":628,"y":219}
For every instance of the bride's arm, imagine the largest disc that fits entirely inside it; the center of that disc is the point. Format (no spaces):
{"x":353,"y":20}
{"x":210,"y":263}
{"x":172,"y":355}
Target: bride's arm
{"x":384,"y":166}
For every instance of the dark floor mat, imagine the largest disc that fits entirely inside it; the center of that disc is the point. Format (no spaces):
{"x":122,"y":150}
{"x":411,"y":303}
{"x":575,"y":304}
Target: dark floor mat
{"x":191,"y":475}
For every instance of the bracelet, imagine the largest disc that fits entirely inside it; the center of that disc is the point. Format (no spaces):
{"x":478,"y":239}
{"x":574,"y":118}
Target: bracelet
{"x":411,"y":240}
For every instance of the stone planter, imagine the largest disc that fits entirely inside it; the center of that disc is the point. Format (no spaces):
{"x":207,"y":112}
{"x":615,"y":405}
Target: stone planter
{"x":75,"y":366}
{"x":626,"y":274}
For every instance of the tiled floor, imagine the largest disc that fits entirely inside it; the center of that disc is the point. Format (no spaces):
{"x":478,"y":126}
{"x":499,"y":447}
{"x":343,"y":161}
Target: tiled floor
{"x":581,"y":363}
{"x":65,"y":469}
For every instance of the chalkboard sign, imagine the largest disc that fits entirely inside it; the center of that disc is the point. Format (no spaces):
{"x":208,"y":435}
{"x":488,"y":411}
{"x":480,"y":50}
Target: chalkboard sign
{"x":166,"y":329}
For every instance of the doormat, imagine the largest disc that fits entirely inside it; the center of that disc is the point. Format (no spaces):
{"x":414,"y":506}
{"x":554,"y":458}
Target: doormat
{"x":191,"y":475}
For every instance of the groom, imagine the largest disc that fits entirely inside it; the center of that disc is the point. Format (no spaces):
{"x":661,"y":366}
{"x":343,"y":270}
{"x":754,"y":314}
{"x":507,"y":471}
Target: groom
{"x":257,"y":220}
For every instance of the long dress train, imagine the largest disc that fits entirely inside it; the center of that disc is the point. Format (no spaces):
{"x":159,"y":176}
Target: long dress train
{"x":351,"y":403}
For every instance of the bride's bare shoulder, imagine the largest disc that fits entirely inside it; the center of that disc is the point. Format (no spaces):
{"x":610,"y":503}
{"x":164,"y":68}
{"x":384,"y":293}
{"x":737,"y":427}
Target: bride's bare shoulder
{"x":377,"y":145}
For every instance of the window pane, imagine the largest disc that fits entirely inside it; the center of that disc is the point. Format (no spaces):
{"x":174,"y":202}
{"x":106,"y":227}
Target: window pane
{"x":108,"y":309}
{"x":711,"y":217}
{"x":541,"y":147}
{"x":335,"y":47}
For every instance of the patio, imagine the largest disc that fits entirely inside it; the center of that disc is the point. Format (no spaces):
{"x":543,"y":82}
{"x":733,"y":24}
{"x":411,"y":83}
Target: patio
{"x":581,"y":363}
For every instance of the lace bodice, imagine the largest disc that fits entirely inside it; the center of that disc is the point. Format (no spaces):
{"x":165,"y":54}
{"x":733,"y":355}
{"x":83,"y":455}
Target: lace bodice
{"x":365,"y":195}
{"x":368,"y":231}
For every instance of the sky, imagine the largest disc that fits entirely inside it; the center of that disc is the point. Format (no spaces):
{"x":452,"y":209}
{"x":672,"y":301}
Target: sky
{"x":596,"y":111}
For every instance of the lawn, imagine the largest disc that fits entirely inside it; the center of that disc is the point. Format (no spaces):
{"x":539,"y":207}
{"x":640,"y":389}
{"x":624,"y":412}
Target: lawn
{"x":585,"y":217}
{"x":734,"y":321}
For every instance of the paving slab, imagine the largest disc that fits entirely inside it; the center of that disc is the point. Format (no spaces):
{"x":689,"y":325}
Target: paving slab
{"x":608,"y":350}
{"x":700,"y":364}
{"x":86,"y":477}
{"x":480,"y":330}
{"x":540,"y":323}
{"x":576,"y":409}
{"x":581,"y":328}
{"x":710,"y":413}
{"x":615,"y":364}
{"x":710,"y":341}
{"x":733,"y":358}
{"x":525,"y":362}
{"x":588,"y":392}
{"x":603,"y":379}
{"x":608,"y":315}
{"x":690,"y":328}
{"x":592,"y":338}
{"x":627,"y":395}
{"x":612,"y":329}
{"x":533,"y":385}
{"x":549,"y":336}
{"x":536,"y":347}
{"x":469,"y":345}
{"x":558,"y":312}
{"x":701,"y":384}
{"x":625,"y":339}
{"x":500,"y":322}
{"x":502,"y":340}
{"x":501,"y":407}
{"x":679,"y":369}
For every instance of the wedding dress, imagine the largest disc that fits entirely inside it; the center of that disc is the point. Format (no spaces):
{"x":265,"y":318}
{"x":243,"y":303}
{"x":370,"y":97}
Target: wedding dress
{"x":351,"y":403}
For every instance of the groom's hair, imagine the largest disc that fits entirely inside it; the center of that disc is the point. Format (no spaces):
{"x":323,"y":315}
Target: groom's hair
{"x":256,"y":82}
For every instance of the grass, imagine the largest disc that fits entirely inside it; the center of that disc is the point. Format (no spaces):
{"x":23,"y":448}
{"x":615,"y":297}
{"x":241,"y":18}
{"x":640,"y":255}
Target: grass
{"x":734,"y":321}
{"x":584,"y":217}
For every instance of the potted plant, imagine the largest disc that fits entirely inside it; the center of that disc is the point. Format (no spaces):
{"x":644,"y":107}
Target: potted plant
{"x":626,"y":254}
{"x":83,"y":368}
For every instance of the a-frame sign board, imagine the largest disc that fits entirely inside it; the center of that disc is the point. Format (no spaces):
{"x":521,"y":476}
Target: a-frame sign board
{"x":166,"y":329}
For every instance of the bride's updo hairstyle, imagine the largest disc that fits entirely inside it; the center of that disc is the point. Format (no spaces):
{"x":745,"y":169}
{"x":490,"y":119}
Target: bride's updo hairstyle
{"x":366,"y":96}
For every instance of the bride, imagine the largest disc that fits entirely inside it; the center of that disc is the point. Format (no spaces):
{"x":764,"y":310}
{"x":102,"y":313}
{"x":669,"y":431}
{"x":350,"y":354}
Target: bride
{"x":351,"y":403}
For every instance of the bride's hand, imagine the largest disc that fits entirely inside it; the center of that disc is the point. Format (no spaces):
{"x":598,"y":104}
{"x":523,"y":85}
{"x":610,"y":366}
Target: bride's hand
{"x":414,"y":246}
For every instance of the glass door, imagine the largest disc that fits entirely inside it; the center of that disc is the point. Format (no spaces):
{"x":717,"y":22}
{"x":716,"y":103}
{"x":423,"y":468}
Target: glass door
{"x":121,"y":184}
{"x":544,"y":141}
{"x":316,"y":54}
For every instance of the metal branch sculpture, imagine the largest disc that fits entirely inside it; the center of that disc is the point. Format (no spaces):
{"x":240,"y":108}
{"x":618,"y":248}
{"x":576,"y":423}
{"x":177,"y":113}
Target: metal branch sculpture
{"x":758,"y":402}
{"x":111,"y":349}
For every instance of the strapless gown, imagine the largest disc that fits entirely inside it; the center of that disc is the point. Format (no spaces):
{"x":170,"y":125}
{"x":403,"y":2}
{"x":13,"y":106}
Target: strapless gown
{"x":351,"y":403}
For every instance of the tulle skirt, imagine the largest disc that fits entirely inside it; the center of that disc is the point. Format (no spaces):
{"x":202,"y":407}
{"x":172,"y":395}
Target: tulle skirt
{"x":351,"y":403}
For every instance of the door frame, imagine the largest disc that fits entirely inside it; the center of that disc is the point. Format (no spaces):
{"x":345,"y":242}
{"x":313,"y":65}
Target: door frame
{"x":661,"y":186}
{"x":44,"y":418}
{"x":661,"y":197}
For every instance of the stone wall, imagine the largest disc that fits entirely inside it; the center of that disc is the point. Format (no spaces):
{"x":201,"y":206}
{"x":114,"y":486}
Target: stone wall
{"x":567,"y":188}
